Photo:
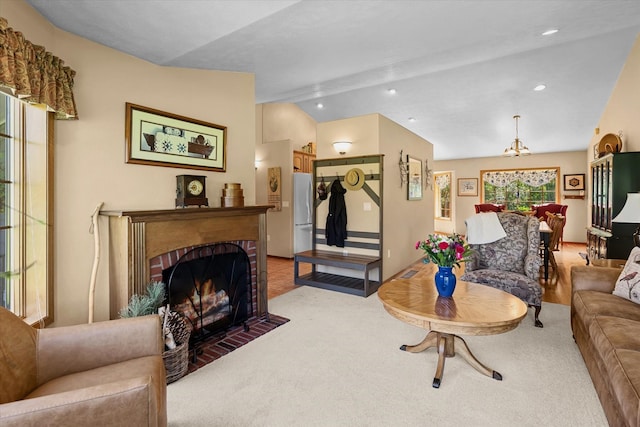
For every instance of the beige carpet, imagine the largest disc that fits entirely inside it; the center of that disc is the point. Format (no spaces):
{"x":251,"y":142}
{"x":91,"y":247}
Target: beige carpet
{"x":338,"y":363}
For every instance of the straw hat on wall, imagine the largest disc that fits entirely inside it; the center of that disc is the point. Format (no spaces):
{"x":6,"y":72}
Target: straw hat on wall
{"x":354,"y":179}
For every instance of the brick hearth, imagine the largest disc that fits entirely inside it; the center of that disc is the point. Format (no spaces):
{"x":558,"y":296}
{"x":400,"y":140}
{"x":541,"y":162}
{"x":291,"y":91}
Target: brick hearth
{"x":217,"y":346}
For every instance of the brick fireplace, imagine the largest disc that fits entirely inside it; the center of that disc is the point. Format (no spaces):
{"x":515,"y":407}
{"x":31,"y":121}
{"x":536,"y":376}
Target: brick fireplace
{"x":141,"y":242}
{"x":195,"y":276}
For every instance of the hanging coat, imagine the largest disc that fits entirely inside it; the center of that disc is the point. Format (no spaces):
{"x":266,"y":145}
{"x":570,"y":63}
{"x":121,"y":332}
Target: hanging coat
{"x":336,"y":228}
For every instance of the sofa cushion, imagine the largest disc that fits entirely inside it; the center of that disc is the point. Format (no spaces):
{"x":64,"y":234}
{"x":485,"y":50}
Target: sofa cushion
{"x":141,"y":367}
{"x":589,"y":304}
{"x":617,"y":344}
{"x":17,"y":357}
{"x":130,"y":402}
{"x":628,"y":284}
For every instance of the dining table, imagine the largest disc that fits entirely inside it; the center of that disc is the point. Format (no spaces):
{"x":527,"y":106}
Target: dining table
{"x":545,"y":237}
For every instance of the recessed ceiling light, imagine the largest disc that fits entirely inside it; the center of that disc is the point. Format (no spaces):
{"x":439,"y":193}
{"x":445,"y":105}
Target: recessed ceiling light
{"x":320,"y":105}
{"x":549,"y":32}
{"x":540,"y":87}
{"x":412,"y":119}
{"x":391,"y":91}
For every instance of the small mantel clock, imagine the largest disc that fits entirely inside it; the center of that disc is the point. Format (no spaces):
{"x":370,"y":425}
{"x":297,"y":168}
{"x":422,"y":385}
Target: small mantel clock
{"x":191,"y":191}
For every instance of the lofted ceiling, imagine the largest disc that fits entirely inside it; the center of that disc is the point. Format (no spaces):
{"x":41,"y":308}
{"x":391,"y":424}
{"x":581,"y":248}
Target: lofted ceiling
{"x":461,"y":69}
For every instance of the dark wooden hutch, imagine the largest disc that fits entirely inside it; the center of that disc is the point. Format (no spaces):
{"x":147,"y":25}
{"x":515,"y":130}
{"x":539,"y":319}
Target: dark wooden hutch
{"x":612,"y":177}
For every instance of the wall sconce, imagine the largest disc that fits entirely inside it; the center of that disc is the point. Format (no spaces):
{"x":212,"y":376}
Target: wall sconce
{"x":342,"y":146}
{"x":404,"y":170}
{"x":428,"y":174}
{"x":257,"y":163}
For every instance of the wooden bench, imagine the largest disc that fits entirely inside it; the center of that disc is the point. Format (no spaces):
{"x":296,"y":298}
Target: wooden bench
{"x":363,"y":287}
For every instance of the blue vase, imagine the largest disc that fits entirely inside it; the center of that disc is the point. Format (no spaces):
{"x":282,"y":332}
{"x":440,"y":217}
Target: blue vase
{"x":445,"y":281}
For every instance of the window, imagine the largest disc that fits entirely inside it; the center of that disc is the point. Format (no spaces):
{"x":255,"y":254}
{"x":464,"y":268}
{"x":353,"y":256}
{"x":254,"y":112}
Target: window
{"x":26,"y":231}
{"x":518,"y":189}
{"x":442,"y":193}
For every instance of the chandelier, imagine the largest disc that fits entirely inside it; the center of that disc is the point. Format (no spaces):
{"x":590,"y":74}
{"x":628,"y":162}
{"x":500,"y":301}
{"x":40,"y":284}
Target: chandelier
{"x":517,"y":148}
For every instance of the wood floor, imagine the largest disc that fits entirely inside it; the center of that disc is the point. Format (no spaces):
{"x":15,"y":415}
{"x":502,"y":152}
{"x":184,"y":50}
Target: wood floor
{"x":557,"y":289}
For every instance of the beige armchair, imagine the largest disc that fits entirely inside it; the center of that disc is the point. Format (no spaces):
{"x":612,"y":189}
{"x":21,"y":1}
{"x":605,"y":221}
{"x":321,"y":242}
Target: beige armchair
{"x":104,"y":374}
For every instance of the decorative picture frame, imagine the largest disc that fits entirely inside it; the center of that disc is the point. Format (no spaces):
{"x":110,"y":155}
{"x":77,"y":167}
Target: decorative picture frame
{"x":158,"y":138}
{"x":574,"y":182}
{"x":414,"y":174}
{"x":467,"y":186}
{"x":274,"y":188}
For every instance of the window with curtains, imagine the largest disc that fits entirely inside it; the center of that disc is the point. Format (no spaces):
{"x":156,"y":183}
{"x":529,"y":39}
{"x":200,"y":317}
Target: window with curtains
{"x":518,"y":189}
{"x":41,"y":89}
{"x":26,"y":231}
{"x":442,"y":194}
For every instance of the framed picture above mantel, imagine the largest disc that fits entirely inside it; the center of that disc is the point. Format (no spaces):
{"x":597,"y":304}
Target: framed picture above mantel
{"x":158,"y":138}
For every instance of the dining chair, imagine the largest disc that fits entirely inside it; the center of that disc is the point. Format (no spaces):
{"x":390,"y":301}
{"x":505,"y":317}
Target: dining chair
{"x":556,"y":224}
{"x":540,"y":211}
{"x":489,"y":207}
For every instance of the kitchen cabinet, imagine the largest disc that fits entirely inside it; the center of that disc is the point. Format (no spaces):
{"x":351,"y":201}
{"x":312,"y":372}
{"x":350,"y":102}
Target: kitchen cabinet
{"x":303,"y":162}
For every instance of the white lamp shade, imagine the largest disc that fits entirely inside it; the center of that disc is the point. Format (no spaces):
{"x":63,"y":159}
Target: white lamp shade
{"x":630,"y":212}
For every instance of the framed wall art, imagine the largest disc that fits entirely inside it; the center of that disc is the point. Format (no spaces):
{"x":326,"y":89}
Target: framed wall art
{"x":414,"y":189}
{"x":467,"y":186}
{"x":574,"y":182}
{"x":274,"y":191}
{"x":159,"y":138}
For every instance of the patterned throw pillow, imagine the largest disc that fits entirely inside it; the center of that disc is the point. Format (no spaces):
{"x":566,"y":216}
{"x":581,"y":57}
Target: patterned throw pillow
{"x":628,"y":284}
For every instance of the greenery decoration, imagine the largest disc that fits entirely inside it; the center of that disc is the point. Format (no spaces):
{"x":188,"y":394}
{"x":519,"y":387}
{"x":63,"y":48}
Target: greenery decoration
{"x":148,"y":303}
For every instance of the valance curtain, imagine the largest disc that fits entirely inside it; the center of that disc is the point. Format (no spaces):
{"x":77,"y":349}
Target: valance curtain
{"x":35,"y":75}
{"x":443,"y":181}
{"x":532,"y":177}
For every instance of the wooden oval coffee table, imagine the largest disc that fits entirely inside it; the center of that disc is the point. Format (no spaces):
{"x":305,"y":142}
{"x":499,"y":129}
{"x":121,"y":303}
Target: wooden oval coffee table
{"x":472,"y":310}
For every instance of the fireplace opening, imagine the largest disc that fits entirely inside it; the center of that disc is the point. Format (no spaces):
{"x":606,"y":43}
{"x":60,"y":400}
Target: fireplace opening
{"x":211,"y":286}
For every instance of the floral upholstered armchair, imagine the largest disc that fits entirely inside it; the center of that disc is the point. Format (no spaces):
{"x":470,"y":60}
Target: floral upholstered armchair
{"x":511,"y":264}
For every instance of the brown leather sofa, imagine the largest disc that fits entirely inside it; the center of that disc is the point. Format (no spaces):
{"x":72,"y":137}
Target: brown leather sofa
{"x":607,"y":331}
{"x":103,"y":374}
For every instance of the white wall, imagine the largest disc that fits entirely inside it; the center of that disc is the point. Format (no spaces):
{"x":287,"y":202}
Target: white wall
{"x":90,"y":152}
{"x":405,"y":221}
{"x":280,"y":129}
{"x":572,"y":162}
{"x":622,"y":112}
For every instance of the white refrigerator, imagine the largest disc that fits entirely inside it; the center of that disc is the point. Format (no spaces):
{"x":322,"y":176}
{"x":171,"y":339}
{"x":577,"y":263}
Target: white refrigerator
{"x":302,"y":212}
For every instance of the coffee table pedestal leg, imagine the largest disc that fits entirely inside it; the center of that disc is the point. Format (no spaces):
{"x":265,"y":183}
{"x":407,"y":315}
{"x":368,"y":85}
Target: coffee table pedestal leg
{"x":445,"y":343}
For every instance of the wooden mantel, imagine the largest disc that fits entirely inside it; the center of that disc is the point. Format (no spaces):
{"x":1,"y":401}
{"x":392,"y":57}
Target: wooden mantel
{"x":135,"y":237}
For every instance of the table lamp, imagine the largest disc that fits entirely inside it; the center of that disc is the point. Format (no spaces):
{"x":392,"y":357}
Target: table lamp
{"x":630,"y":214}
